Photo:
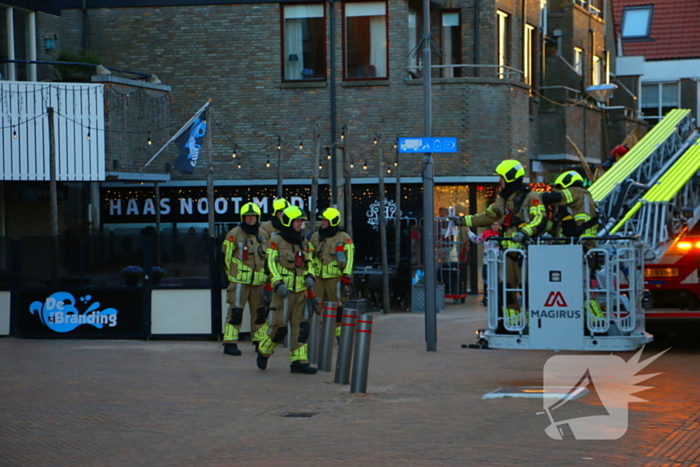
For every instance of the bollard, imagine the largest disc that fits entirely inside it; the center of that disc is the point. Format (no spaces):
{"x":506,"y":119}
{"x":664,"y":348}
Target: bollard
{"x":313,"y":339}
{"x":360,"y":359}
{"x":325,"y":356}
{"x":347,"y":336}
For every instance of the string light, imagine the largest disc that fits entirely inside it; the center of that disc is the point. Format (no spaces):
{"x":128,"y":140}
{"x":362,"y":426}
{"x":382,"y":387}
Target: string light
{"x":88,"y":134}
{"x":320,"y":166}
{"x":342,"y":133}
{"x":267,"y":164}
{"x":328,"y":154}
{"x":235,"y":148}
{"x":352,"y":164}
{"x":375,"y":140}
{"x":279,"y":143}
{"x":149,"y":139}
{"x":14,"y":132}
{"x":396,"y":162}
{"x":301,"y":144}
{"x":239,"y":164}
{"x":365,"y":166}
{"x":388,"y":171}
{"x":395,"y":145}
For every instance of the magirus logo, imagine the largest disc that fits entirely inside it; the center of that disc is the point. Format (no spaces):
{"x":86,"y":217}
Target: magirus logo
{"x":614,"y":381}
{"x":59,"y":313}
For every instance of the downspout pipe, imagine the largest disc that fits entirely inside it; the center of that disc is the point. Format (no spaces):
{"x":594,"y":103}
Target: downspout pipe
{"x":85,"y":27}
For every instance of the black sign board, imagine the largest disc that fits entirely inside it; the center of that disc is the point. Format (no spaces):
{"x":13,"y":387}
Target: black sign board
{"x":81,"y":313}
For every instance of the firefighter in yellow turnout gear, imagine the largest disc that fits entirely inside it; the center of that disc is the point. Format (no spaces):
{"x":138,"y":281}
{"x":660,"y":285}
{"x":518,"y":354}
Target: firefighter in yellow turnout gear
{"x":244,"y":260}
{"x":333,"y":256}
{"x":272,"y":227}
{"x":578,"y":218}
{"x":521,"y":213}
{"x":291,"y":275}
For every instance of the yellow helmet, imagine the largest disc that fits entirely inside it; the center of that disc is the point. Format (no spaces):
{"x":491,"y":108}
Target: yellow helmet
{"x":332,"y":215}
{"x":510,"y":170}
{"x":280,"y":204}
{"x":250,"y":209}
{"x":567,"y":179}
{"x":290,"y":214}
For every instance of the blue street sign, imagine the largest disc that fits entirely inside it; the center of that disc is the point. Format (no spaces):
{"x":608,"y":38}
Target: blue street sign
{"x":427,"y":145}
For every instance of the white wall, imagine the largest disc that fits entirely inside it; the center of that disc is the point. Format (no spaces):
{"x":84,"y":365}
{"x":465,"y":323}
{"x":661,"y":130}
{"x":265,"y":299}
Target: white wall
{"x":181,"y":312}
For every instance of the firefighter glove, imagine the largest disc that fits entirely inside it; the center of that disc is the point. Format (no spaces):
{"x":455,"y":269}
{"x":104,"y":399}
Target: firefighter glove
{"x":309,"y":281}
{"x":519,"y":237}
{"x":458,"y":221}
{"x":281,"y":290}
{"x":346,"y":280}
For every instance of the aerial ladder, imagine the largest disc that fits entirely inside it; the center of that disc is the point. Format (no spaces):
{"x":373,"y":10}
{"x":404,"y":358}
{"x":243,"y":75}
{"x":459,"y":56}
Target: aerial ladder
{"x":587,"y":294}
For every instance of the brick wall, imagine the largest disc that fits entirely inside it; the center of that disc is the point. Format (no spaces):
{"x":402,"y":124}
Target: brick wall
{"x":231,"y":54}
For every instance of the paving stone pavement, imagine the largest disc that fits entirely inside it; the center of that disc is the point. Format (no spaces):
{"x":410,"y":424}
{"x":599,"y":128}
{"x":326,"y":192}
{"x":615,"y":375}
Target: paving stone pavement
{"x":173,"y":403}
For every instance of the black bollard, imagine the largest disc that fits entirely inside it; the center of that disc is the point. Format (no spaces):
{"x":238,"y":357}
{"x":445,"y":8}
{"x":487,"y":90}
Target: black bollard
{"x":360,"y":360}
{"x":347,"y":336}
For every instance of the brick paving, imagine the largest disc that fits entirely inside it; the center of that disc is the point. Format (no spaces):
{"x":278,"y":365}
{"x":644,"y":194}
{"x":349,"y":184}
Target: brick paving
{"x":136,"y":403}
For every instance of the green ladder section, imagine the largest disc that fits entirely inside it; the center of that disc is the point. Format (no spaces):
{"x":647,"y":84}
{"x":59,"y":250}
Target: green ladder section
{"x":637,"y":155}
{"x":670,"y":183}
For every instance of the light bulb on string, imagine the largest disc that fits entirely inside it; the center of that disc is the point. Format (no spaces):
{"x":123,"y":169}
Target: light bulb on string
{"x":267,"y":164}
{"x":301,"y":144}
{"x":375,"y":140}
{"x":239,"y":165}
{"x":352,"y":164}
{"x":320,"y":166}
{"x":365,"y":166}
{"x":342,"y":133}
{"x":328,"y":155}
{"x":88,"y":134}
{"x":14,"y":132}
{"x":149,"y":139}
{"x":279,"y":143}
{"x":396,"y":162}
{"x":395,"y":145}
{"x":235,"y":149}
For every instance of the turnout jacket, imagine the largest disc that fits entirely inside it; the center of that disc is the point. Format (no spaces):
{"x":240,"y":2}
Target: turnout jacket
{"x":288,"y":263}
{"x":516,"y":208}
{"x":580,"y":218}
{"x":244,"y":256}
{"x":332,"y":256}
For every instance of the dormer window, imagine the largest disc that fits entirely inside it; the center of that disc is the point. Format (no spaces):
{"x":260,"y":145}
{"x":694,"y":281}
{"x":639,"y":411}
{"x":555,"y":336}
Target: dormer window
{"x":636,"y":22}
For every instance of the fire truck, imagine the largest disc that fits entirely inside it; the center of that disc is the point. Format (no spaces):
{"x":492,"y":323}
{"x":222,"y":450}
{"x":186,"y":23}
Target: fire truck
{"x":592,"y":294}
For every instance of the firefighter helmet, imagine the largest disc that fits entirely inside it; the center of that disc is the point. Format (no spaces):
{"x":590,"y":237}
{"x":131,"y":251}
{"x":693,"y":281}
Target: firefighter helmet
{"x":567,"y":179}
{"x":250,"y":209}
{"x":290,"y":214}
{"x":510,"y":170}
{"x":280,"y":204}
{"x":332,"y":215}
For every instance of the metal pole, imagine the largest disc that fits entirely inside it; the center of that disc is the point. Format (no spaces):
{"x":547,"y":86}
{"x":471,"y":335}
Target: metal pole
{"x":334,"y":129}
{"x":313,"y":204}
{"x":280,"y":187}
{"x":397,"y":215}
{"x":347,"y":335}
{"x":53,"y":195}
{"x":210,"y":172}
{"x":314,"y":342}
{"x":428,"y":185}
{"x":325,"y":357}
{"x":386,"y":303}
{"x":348,"y":181}
{"x":156,"y":189}
{"x":360,"y":359}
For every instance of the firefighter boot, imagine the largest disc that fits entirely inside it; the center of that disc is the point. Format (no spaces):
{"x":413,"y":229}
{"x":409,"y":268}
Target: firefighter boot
{"x":303,"y":368}
{"x":261,"y":361}
{"x":231,"y":349}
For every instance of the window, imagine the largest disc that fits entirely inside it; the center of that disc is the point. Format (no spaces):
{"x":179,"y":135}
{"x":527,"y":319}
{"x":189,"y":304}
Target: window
{"x":503,"y":34}
{"x":17,"y":24}
{"x":658,"y":99}
{"x":365,"y":40}
{"x":578,"y":60}
{"x":414,"y":53}
{"x":528,"y":53}
{"x":304,"y":42}
{"x":451,"y":36}
{"x":596,"y":71}
{"x":636,"y":22}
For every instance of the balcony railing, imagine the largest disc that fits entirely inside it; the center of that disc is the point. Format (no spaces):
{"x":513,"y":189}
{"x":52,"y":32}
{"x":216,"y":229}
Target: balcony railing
{"x":468,"y":71}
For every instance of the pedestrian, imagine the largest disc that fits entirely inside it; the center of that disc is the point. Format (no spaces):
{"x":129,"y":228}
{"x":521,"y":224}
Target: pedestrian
{"x":291,"y":275}
{"x":333,"y":256}
{"x":244,"y":260}
{"x":493,"y":231}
